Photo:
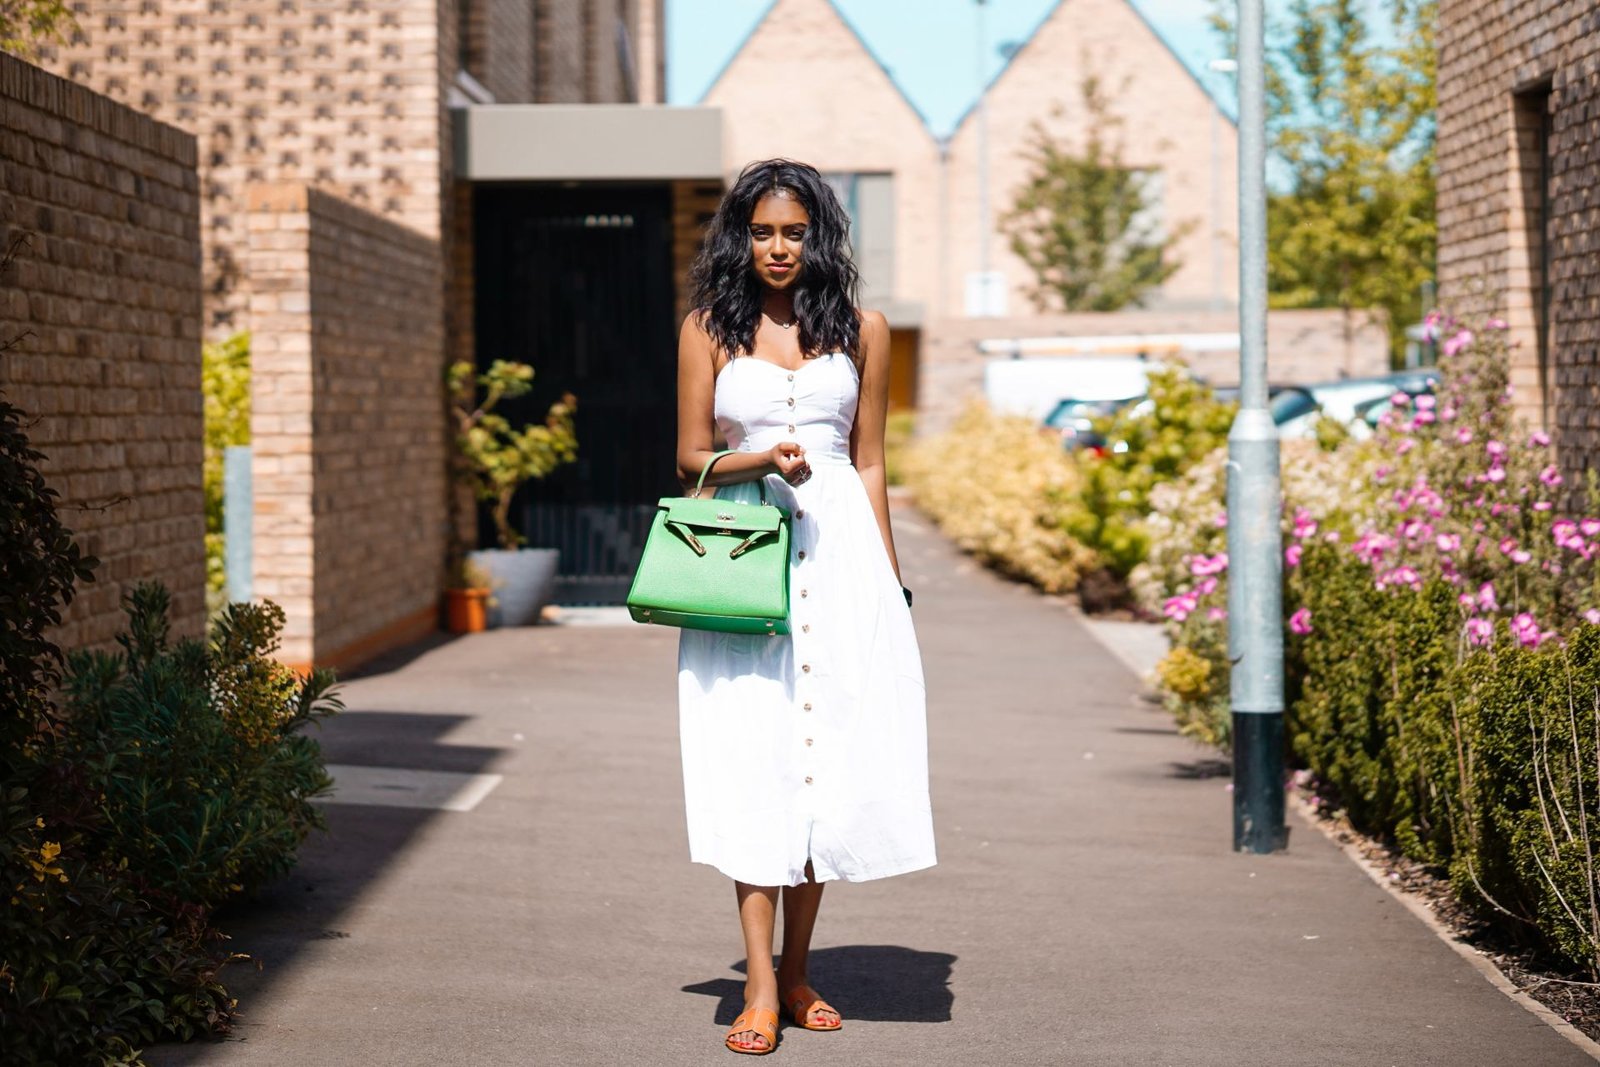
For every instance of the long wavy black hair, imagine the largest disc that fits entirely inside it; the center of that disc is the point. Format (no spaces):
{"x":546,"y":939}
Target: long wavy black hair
{"x":727,"y":292}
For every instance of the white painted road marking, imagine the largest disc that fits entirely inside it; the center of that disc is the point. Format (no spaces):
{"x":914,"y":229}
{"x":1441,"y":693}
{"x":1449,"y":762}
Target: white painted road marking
{"x":402,"y":787}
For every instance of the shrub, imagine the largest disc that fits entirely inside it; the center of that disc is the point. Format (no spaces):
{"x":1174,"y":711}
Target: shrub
{"x":195,"y":751}
{"x":1000,"y":489}
{"x":1148,"y":448}
{"x":90,"y":968}
{"x":1443,"y":656}
{"x":897,"y":434}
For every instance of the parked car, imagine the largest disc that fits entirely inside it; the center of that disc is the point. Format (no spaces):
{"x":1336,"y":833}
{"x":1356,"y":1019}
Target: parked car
{"x":1349,"y":401}
{"x":1073,"y":420}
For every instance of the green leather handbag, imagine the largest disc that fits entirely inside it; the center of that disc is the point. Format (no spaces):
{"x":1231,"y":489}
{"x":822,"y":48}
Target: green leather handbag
{"x":714,"y":564}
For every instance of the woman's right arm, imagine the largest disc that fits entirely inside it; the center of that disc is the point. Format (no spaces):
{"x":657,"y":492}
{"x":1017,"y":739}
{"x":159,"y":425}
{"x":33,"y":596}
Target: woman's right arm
{"x":696,"y":391}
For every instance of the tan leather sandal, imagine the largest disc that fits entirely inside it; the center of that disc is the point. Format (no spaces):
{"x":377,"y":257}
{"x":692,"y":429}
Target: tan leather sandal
{"x":802,"y":1001}
{"x":755,"y":1020}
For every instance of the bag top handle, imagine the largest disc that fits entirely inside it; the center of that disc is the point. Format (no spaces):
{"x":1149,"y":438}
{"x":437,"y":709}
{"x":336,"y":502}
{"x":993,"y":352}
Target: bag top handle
{"x":699,"y":485}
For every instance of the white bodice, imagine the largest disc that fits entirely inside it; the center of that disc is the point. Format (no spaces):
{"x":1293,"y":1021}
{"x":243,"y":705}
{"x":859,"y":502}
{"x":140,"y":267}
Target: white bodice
{"x":759,"y":404}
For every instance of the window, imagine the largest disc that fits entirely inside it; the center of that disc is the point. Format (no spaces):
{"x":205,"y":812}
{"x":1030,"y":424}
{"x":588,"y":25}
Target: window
{"x":1534,"y":126}
{"x":869,"y":201}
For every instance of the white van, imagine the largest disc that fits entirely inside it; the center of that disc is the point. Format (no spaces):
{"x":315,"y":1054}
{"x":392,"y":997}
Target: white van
{"x":1033,"y":386}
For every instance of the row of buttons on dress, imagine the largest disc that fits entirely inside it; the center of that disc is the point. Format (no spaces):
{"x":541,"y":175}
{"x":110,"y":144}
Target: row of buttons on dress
{"x":800,"y":513}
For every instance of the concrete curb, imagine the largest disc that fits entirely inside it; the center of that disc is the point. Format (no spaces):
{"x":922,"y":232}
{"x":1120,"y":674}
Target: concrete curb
{"x":1480,"y":963}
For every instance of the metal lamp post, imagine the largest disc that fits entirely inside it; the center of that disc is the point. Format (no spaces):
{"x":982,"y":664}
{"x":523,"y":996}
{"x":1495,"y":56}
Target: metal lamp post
{"x":1255,"y":550}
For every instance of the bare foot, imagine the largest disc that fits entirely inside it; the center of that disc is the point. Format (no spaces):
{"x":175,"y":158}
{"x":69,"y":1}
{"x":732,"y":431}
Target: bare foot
{"x":794,"y":989}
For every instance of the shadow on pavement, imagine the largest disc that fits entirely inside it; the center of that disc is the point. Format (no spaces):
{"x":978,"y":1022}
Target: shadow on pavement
{"x":281,"y":921}
{"x":876,"y":983}
{"x":1201,"y":768}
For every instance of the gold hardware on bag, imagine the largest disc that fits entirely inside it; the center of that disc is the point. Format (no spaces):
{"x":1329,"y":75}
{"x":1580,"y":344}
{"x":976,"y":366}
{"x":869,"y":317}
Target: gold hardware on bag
{"x":688,"y":535}
{"x":723,"y":516}
{"x":739,"y":548}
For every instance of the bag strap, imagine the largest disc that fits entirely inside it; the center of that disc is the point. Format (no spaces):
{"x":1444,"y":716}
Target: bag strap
{"x":760,"y":482}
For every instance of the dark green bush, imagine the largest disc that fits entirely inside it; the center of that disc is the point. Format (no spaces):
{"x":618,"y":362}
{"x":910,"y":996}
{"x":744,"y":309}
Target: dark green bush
{"x":179,"y":776}
{"x":1479,"y":760}
{"x":195,"y":751}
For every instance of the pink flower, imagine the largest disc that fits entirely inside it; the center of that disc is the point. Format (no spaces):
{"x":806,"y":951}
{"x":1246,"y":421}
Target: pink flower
{"x":1463,"y":435}
{"x":1550,"y":476}
{"x":1539,"y":439}
{"x":1496,"y":324}
{"x":1521,"y":556}
{"x":1590,"y":527}
{"x":1300,"y":621}
{"x":1526,"y":630}
{"x":1425,"y":402}
{"x":1291,"y":556}
{"x":1304,"y":524}
{"x":1542,"y":505}
{"x":1217,"y":614}
{"x":1466,"y":601}
{"x":1455,"y":344}
{"x":1422,"y":418}
{"x":1331,"y":536}
{"x":1400,"y":400}
{"x":1495,"y":474}
{"x":1480,"y":631}
{"x":1495,"y":449}
{"x":1447,"y":413}
{"x":1448,"y":542}
{"x":1486,"y":597}
{"x":1562,"y":529}
{"x":1592,"y":617}
{"x":1380,"y":474}
{"x":1206,"y":588}
{"x":1178,"y":608}
{"x":1508,"y":545}
{"x":1404,"y":445}
{"x":1416,"y":530}
{"x":1203,"y":565}
{"x":1371,"y":546}
{"x":1221,"y":521}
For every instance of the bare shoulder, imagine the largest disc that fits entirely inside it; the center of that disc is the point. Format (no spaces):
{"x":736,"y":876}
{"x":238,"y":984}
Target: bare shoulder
{"x":874,"y":334}
{"x":694,"y":341}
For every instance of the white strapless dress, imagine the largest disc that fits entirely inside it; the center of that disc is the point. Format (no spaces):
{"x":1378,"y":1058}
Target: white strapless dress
{"x":810,"y":746}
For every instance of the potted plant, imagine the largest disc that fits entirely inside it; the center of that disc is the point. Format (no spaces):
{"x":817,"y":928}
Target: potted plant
{"x":468,"y":595}
{"x":494,"y":460}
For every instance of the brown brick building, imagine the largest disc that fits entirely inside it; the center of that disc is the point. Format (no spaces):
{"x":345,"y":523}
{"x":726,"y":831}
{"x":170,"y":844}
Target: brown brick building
{"x":1519,"y":197}
{"x":380,"y":186}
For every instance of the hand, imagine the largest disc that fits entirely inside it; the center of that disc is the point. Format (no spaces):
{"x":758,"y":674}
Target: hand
{"x":789,"y":459}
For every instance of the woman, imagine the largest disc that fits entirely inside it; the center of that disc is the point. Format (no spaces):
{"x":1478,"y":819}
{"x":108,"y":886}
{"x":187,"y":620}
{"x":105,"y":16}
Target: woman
{"x":804,"y":755}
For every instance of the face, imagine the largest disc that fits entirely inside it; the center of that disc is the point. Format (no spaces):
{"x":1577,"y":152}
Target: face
{"x":778,"y":228}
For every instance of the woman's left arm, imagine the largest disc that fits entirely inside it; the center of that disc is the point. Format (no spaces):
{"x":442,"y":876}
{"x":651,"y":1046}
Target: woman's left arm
{"x":866,"y":436}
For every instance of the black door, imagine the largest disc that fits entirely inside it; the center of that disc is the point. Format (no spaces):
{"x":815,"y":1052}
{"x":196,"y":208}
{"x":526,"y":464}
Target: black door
{"x":578,"y":282}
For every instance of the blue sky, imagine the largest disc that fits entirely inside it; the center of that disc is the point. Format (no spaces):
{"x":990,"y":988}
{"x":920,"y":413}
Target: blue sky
{"x":933,"y":53}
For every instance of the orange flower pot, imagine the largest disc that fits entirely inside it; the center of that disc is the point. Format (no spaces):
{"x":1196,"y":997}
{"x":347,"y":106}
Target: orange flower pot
{"x":466,"y":611}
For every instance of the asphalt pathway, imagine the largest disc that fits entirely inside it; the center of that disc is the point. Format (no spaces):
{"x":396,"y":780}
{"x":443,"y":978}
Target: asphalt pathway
{"x":1087,"y":908}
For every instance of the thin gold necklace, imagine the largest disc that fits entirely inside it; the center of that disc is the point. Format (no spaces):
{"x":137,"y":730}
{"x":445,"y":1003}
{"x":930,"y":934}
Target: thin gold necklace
{"x":783,"y":325}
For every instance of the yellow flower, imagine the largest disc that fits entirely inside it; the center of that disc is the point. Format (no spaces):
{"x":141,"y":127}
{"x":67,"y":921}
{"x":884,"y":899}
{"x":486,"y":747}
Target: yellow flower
{"x":49,"y":851}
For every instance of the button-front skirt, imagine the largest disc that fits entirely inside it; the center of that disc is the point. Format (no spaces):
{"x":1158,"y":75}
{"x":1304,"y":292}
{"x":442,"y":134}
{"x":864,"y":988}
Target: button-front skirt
{"x":811,"y":746}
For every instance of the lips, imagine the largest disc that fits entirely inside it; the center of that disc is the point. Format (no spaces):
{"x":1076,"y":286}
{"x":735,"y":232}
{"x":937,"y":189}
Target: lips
{"x":780,"y":268}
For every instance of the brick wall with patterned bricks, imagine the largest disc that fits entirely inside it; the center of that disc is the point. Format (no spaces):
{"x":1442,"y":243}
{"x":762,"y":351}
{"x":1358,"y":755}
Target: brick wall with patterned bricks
{"x":345,"y":95}
{"x":1500,"y":65}
{"x":497,"y":47}
{"x":107,"y":289}
{"x":347,"y":423}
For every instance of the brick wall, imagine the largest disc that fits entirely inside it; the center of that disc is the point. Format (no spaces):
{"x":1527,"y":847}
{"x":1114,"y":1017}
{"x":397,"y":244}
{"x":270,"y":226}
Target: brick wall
{"x":578,"y":61}
{"x":1502,"y":69}
{"x":346,"y":96}
{"x":1302,"y":346}
{"x":109,"y":288}
{"x":498,"y":47}
{"x":348,"y":425}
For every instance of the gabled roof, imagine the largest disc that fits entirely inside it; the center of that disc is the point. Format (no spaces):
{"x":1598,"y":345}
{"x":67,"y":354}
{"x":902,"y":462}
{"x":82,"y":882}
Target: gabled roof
{"x":854,"y":32}
{"x":1050,"y":14}
{"x":973,"y":106}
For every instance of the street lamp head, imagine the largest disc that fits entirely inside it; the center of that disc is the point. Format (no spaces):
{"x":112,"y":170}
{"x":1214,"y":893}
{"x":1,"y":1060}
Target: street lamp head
{"x":1223,"y":66}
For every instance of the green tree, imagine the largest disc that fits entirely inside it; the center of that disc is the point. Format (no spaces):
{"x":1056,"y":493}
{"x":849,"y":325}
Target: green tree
{"x":1352,"y":120}
{"x":27,"y":24}
{"x":225,"y":386}
{"x":1083,"y":221}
